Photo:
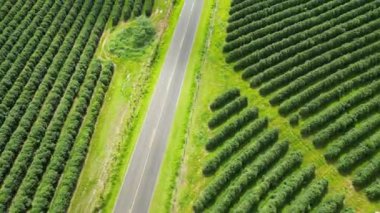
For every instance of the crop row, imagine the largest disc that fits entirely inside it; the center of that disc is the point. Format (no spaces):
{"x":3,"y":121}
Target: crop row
{"x":338,"y":92}
{"x":15,"y":42}
{"x":367,"y":173}
{"x":339,"y":36}
{"x":373,"y":191}
{"x":232,"y":128}
{"x":241,"y":139}
{"x":46,"y":189}
{"x":270,"y":181}
{"x":78,"y":154}
{"x":329,"y":81}
{"x":272,"y":23}
{"x":20,"y":135}
{"x":246,"y":43}
{"x":60,"y":85}
{"x":233,"y":168}
{"x":346,"y":122}
{"x":302,"y":45}
{"x":250,"y":174}
{"x":53,"y":98}
{"x":350,"y":139}
{"x":20,"y":54}
{"x":331,"y":204}
{"x":230,"y":109}
{"x":125,"y":9}
{"x":288,"y":189}
{"x":224,"y":99}
{"x":35,"y":92}
{"x":277,"y":10}
{"x":42,"y":54}
{"x":309,"y":196}
{"x":15,"y":10}
{"x":331,"y":114}
{"x":8,"y":26}
{"x":250,"y":6}
{"x":353,"y":50}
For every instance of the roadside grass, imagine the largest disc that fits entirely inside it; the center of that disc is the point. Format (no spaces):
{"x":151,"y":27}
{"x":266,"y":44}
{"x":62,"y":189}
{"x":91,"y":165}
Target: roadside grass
{"x":123,"y":113}
{"x":215,"y":77}
{"x":165,"y":186}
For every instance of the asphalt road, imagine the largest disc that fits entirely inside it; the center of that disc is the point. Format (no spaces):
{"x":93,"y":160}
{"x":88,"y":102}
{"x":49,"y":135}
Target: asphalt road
{"x":143,"y":170}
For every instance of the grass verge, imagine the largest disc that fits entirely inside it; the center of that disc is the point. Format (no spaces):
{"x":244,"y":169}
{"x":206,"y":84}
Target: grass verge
{"x":122,"y":115}
{"x":165,"y":186}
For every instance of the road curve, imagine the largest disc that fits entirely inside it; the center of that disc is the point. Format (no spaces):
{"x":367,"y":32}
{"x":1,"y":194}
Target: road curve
{"x":143,"y":170}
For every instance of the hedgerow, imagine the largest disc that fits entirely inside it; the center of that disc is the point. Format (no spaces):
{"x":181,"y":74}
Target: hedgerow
{"x":240,"y":140}
{"x":288,"y":189}
{"x":309,"y":196}
{"x":230,"y":109}
{"x":224,"y":99}
{"x":232,"y":169}
{"x":232,"y":128}
{"x":269,"y":181}
{"x":331,"y":204}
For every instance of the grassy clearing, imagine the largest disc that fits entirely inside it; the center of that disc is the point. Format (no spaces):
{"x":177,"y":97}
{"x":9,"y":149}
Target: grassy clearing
{"x":216,"y":76}
{"x":122,"y":115}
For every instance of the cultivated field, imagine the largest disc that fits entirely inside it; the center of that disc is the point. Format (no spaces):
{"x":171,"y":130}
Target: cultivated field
{"x":285,"y":115}
{"x":51,"y":92}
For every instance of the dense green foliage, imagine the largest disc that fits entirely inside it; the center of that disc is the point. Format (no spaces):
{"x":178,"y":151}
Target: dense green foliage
{"x":318,"y":62}
{"x":134,"y":40}
{"x":125,"y":9}
{"x":229,"y":110}
{"x":251,"y":170}
{"x":224,"y":99}
{"x":51,"y":90}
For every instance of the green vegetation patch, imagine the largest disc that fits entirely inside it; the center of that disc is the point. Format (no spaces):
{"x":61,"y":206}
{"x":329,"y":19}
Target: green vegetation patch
{"x":133,"y":41}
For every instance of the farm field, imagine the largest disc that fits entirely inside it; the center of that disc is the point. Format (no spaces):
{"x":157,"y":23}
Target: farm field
{"x":190,"y":106}
{"x":300,"y":75}
{"x":69,"y":69}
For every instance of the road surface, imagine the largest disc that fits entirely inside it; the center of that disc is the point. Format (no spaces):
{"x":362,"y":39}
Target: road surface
{"x":140,"y":180}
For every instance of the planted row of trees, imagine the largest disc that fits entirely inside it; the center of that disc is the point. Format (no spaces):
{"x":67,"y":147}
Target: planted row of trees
{"x":323,"y":66}
{"x":49,"y":110}
{"x":245,"y":43}
{"x":339,"y":146}
{"x":40,"y":121}
{"x":78,"y":154}
{"x":373,"y":191}
{"x":249,"y":16}
{"x":338,"y":92}
{"x":224,"y":99}
{"x":272,"y":23}
{"x":232,"y":128}
{"x":232,"y":169}
{"x":251,"y":174}
{"x":236,"y":143}
{"x":125,"y":9}
{"x":318,"y":61}
{"x":19,"y":55}
{"x":362,"y":96}
{"x":332,"y":204}
{"x":329,"y":81}
{"x":288,"y":189}
{"x":365,"y":175}
{"x":230,"y":109}
{"x":310,"y":196}
{"x":271,"y":180}
{"x":238,"y":5}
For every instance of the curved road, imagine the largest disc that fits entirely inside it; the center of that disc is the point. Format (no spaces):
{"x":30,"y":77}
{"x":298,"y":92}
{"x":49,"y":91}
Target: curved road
{"x":143,"y":170}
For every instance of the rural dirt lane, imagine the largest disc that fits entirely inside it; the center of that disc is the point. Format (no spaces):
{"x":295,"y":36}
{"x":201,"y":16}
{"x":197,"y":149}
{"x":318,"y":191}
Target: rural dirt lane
{"x":143,"y":170}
